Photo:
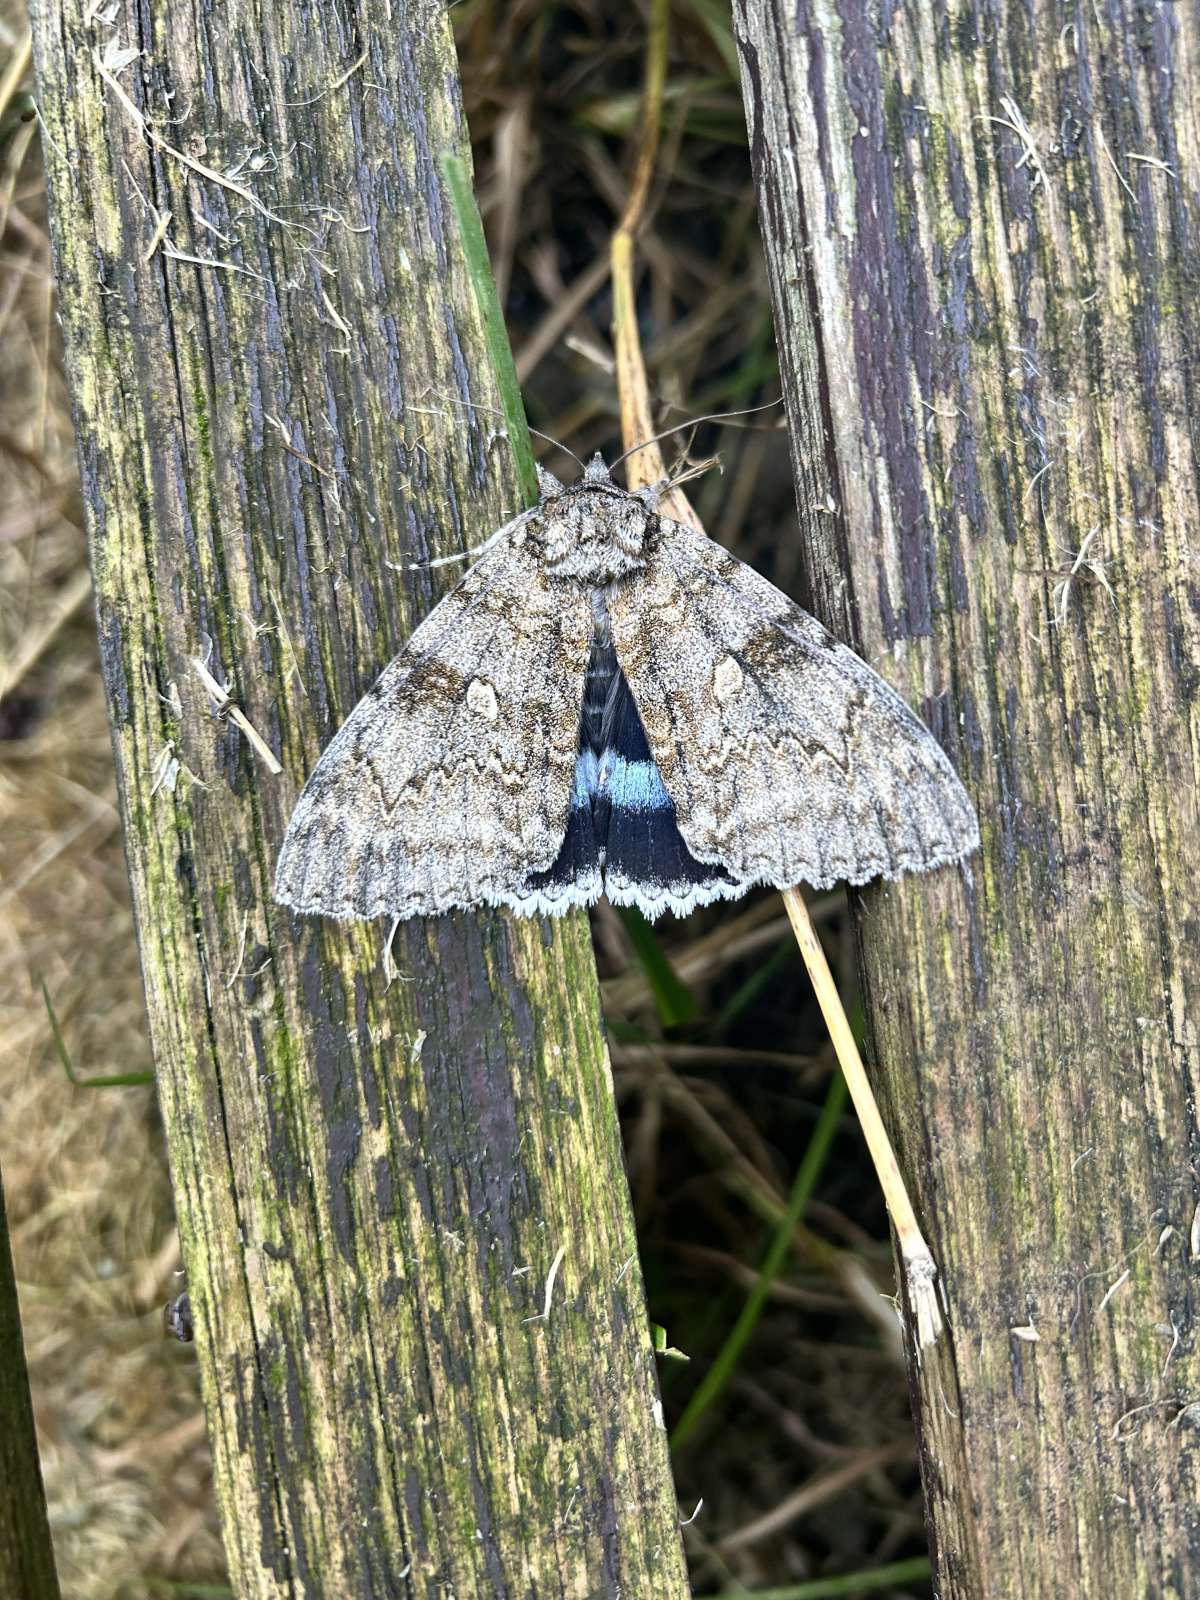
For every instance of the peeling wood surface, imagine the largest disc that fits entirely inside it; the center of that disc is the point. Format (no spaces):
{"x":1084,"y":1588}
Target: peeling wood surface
{"x":272,"y":345}
{"x":982,"y":225}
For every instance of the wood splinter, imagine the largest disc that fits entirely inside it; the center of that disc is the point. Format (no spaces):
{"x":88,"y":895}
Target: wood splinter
{"x":227,"y":707}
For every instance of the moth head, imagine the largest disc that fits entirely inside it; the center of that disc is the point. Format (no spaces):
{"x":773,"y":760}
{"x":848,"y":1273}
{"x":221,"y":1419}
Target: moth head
{"x":595,"y":532}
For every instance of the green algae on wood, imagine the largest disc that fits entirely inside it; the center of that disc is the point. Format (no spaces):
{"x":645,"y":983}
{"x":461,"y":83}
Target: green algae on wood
{"x":274,"y":355}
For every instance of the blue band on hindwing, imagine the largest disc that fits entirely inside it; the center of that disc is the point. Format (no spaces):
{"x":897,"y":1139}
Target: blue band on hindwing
{"x":622,"y":836}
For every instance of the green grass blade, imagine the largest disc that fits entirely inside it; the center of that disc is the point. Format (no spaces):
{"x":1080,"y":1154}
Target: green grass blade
{"x":869,"y":1581}
{"x":60,"y":1044}
{"x":722,"y":1369}
{"x":479,"y":268}
{"x":658,"y":1334}
{"x":716,"y":18}
{"x":747,"y":993}
{"x":675,"y":1002}
{"x":118,"y":1080}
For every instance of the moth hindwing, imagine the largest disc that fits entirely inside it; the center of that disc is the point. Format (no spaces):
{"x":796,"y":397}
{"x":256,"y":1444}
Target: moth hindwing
{"x":611,"y":703}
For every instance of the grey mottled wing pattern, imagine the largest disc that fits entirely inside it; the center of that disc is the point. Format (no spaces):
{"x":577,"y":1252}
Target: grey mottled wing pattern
{"x":789,"y":760}
{"x":452,"y":779}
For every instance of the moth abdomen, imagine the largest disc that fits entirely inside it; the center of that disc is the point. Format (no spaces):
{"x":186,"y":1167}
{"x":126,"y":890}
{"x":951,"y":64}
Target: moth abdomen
{"x":622,"y":835}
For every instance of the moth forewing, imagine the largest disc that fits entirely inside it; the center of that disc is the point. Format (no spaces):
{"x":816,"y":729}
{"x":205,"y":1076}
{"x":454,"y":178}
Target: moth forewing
{"x":452,"y":779}
{"x":788,"y":759}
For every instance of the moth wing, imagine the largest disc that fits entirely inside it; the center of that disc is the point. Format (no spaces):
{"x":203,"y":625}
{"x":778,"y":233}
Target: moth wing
{"x":451,"y":781}
{"x":788,"y":759}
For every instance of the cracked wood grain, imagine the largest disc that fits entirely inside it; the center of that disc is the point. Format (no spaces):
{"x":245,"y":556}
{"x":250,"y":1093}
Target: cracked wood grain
{"x":273,"y":353}
{"x":981,"y":224}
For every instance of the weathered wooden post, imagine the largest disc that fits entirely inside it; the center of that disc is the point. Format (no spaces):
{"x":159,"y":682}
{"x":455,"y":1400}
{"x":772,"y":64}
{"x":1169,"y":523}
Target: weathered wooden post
{"x":26,"y":1555}
{"x":982,"y":227}
{"x":408,"y":1240}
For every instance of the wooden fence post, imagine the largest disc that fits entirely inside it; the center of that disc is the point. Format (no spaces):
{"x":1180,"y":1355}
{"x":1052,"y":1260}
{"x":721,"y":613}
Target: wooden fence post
{"x":26,"y":1554}
{"x":982,"y":225}
{"x":406,"y":1228}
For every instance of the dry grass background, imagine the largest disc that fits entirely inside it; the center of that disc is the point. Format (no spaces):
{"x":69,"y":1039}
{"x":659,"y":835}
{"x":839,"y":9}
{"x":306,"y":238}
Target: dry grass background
{"x":807,"y":1462}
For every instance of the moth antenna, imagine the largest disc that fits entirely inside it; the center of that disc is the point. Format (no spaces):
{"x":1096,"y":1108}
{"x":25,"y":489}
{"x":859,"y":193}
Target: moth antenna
{"x":558,"y":445}
{"x":680,"y":475}
{"x":689,"y":470}
{"x":693,"y":422}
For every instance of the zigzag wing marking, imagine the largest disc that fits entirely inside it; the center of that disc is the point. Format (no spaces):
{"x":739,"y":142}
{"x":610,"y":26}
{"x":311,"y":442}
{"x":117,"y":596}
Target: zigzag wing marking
{"x":789,"y":760}
{"x":451,"y":780}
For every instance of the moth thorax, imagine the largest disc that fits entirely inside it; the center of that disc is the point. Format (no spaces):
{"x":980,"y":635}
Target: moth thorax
{"x":595,"y":536}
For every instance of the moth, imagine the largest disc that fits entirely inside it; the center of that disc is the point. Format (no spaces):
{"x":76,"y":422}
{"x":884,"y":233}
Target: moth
{"x":610,"y":703}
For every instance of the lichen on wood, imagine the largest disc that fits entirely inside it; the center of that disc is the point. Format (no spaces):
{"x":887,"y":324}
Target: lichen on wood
{"x":282,"y":408}
{"x":981,"y":225}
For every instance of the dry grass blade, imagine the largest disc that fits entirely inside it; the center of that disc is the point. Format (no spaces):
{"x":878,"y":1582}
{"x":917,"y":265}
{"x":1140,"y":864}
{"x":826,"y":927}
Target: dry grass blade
{"x":16,"y":71}
{"x":693,"y":1055}
{"x":39,"y":639}
{"x":809,"y":1495}
{"x":920,"y":1270}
